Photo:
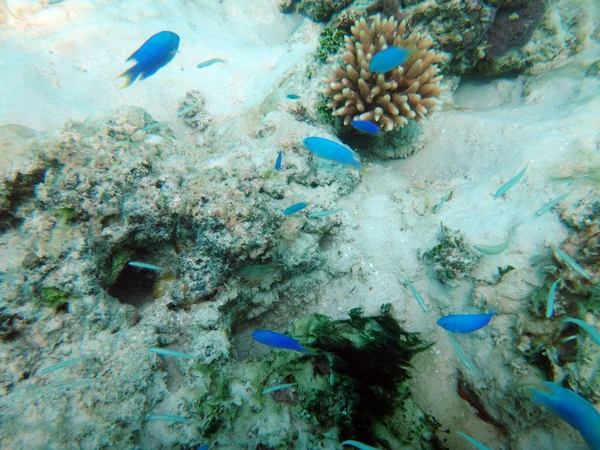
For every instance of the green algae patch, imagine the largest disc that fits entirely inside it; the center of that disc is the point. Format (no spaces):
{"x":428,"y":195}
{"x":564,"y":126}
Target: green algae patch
{"x":325,"y":111}
{"x":66,"y":215}
{"x":161,"y":287}
{"x":330,"y":41}
{"x":369,"y":360}
{"x":53,"y":297}
{"x":116,"y":264}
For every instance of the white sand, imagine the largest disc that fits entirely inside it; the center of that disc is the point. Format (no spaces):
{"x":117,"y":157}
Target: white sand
{"x":60,"y":62}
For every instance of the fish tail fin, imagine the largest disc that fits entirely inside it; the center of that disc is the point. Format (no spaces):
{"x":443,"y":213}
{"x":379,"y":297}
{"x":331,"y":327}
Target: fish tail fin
{"x":130,"y":75}
{"x":312,"y":352}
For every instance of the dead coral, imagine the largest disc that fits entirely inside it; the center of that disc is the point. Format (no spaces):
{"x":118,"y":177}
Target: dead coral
{"x":318,"y":10}
{"x":192,"y":111}
{"x":457,"y":27}
{"x":391,"y":99}
{"x":451,"y":258}
{"x":584,"y":247}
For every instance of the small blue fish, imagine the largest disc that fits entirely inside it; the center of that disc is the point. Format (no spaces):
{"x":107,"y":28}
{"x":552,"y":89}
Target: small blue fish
{"x":388,"y":59}
{"x":465,"y":323}
{"x":570,"y":407}
{"x":327,"y":149}
{"x":294,"y":208}
{"x":293,"y":96}
{"x":278,"y":340}
{"x":142,"y":265}
{"x":156,"y":52}
{"x":278,"y":162}
{"x":478,"y":445}
{"x":365,"y":126}
{"x":210,"y":62}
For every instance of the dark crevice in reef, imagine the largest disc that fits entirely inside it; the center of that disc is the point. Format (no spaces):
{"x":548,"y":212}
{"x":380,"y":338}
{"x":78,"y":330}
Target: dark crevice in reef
{"x":134,"y":286}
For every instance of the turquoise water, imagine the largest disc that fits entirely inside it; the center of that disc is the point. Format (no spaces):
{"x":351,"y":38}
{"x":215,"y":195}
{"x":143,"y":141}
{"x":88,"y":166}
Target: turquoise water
{"x":160,"y":202}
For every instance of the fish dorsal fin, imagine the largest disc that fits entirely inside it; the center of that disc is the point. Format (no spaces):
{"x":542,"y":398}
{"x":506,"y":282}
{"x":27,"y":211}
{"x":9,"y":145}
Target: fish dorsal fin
{"x":134,"y":56}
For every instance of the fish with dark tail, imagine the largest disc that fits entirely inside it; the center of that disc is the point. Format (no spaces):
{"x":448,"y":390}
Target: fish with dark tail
{"x":157,"y":52}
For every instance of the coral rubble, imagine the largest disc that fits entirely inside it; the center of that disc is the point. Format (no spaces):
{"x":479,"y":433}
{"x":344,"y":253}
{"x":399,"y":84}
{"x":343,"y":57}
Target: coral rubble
{"x":451,"y":258}
{"x":319,"y":10}
{"x":193,"y":111}
{"x":391,"y":99}
{"x":81,"y":202}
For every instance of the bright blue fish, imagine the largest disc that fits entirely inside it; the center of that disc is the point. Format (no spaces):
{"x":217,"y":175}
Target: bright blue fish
{"x":327,"y":149}
{"x":294,"y":208}
{"x":465,"y":323}
{"x":156,"y":52}
{"x":293,"y":96}
{"x":365,"y":126}
{"x":388,"y":59}
{"x":278,"y":162}
{"x":570,"y":407}
{"x":278,"y":340}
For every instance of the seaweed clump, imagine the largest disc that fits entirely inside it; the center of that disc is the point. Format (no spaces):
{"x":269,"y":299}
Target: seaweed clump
{"x":330,"y":41}
{"x":451,"y":258}
{"x":369,"y":359}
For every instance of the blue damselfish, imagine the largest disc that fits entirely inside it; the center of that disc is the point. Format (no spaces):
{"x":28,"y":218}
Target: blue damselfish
{"x":156,"y":52}
{"x":278,"y":340}
{"x":464,"y":323}
{"x":570,"y":407}
{"x":278,"y":162}
{"x":388,"y":59}
{"x":327,"y":149}
{"x":365,"y":126}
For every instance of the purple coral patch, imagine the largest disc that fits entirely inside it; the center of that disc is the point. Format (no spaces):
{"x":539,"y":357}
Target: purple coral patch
{"x":509,"y":32}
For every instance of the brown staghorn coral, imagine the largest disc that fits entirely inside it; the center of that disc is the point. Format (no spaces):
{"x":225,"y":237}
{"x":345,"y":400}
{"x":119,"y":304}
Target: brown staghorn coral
{"x":408,"y":92}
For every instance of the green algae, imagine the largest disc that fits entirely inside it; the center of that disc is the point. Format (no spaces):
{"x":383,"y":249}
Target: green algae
{"x":369,"y":358}
{"x":161,"y":286}
{"x":53,"y":297}
{"x":330,"y":41}
{"x":66,"y":215}
{"x":356,"y":386}
{"x":324,"y":110}
{"x":117,"y":262}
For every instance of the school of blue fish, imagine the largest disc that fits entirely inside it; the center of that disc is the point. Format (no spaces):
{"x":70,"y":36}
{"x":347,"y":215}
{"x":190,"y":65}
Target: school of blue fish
{"x":161,"y":48}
